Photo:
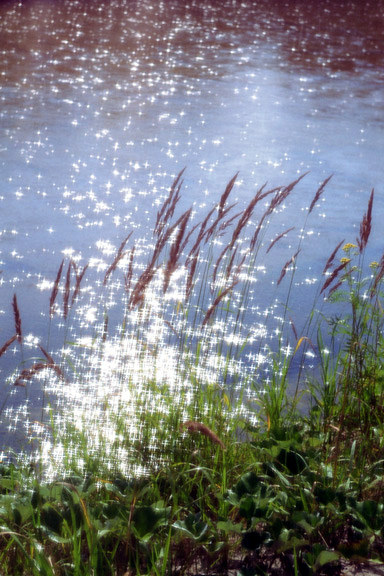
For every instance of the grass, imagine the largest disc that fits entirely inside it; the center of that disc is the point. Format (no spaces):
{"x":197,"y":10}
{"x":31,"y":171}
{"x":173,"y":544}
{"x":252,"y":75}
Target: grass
{"x":171,"y":437}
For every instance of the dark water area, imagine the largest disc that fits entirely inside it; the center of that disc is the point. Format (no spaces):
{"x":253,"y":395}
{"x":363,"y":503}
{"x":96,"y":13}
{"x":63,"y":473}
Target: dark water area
{"x":103,"y":103}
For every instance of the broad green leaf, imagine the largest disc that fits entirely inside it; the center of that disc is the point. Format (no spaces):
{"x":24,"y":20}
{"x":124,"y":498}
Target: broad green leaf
{"x":147,"y":519}
{"x":248,"y":484}
{"x":252,"y":540}
{"x":193,"y":526}
{"x":228,"y":526}
{"x":293,"y":461}
{"x":326,"y":557}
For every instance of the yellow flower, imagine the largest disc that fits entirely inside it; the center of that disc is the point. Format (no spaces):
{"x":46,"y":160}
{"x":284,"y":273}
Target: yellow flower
{"x":348,"y":247}
{"x":374,"y":264}
{"x":345,"y":260}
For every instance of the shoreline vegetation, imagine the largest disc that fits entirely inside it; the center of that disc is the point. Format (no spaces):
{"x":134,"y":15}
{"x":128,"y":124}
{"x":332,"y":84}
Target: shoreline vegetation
{"x":169,"y":436}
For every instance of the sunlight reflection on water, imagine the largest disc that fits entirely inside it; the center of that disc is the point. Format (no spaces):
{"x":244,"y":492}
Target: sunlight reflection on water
{"x":153,"y":339}
{"x":103,"y":103}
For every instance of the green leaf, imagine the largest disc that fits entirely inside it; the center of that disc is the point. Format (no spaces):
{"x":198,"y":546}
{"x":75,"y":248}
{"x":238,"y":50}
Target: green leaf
{"x":326,"y":557}
{"x":229,"y":527}
{"x":146,"y":519}
{"x":293,"y":461}
{"x":289,"y":542}
{"x":193,"y":526}
{"x":368,"y":510}
{"x":325,"y":495}
{"x":248,"y":508}
{"x":51,"y":519}
{"x":21,"y":512}
{"x":248,"y":484}
{"x":54,"y":537}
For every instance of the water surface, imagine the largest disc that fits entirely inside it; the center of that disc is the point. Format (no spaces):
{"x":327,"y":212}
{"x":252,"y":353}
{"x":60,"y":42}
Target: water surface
{"x":103,"y":103}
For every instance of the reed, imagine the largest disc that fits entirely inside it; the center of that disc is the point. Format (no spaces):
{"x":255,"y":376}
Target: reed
{"x":278,"y":237}
{"x":197,"y":416}
{"x":67,"y":291}
{"x":28,"y":373}
{"x":79,"y":278}
{"x":331,"y":258}
{"x":176,"y":249}
{"x":129,"y":274}
{"x":318,"y":194}
{"x":168,"y":207}
{"x":8,"y":344}
{"x":221,"y":296}
{"x":334,"y":274}
{"x":138,"y":292}
{"x":52,"y":364}
{"x":201,"y":428}
{"x":286,"y":266}
{"x":378,"y":278}
{"x":366,"y":225}
{"x":119,"y":256}
{"x":17,"y":318}
{"x":204,"y":326}
{"x":55,"y":290}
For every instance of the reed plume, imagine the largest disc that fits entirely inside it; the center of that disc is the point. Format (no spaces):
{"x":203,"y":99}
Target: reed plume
{"x":225,"y":195}
{"x":67,"y":290}
{"x":332,"y":257}
{"x":215,"y":228}
{"x":281,"y":193}
{"x":129,"y":275}
{"x":188,"y":237}
{"x":55,"y":291}
{"x":319,"y":193}
{"x":333,"y":276}
{"x":287,"y":265}
{"x":288,"y":189}
{"x":191,"y":274}
{"x":8,"y":343}
{"x":222,"y":210}
{"x":378,"y":277}
{"x":229,"y":267}
{"x":366,"y":225}
{"x":28,"y":373}
{"x":17,"y":317}
{"x":120,"y":254}
{"x":225,"y":224}
{"x":218,"y":299}
{"x":247,"y":214}
{"x":192,"y":426}
{"x":337,"y":285}
{"x":79,"y":278}
{"x":52,"y":364}
{"x":281,"y":235}
{"x":168,"y":208}
{"x":242,"y":222}
{"x":292,"y":325}
{"x":138,"y":293}
{"x":176,"y":249}
{"x":200,"y":237}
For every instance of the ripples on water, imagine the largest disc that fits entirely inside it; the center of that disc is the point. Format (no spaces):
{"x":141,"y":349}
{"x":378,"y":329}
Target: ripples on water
{"x":103,"y":103}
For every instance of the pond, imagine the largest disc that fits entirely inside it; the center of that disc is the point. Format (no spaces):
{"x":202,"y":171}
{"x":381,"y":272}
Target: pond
{"x":104,"y":103}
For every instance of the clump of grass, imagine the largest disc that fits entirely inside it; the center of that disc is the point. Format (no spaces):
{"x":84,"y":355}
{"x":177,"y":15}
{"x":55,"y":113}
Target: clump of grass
{"x":163,"y":444}
{"x":350,"y":393}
